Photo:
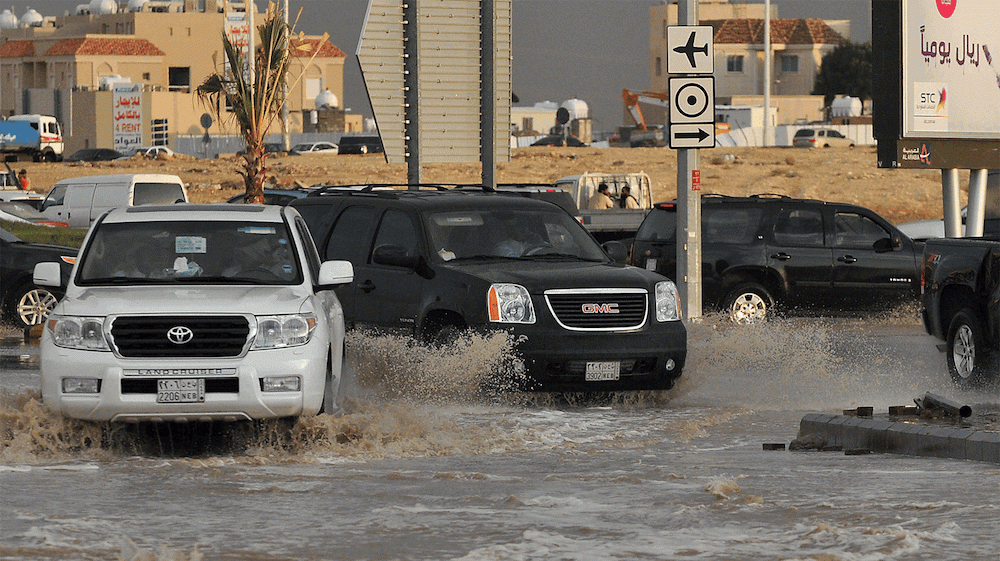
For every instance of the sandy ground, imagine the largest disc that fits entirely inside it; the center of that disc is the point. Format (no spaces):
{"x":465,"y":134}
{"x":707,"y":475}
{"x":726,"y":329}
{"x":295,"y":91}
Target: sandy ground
{"x":832,"y":174}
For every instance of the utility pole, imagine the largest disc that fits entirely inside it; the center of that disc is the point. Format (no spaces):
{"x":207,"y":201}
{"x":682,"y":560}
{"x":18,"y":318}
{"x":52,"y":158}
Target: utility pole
{"x":688,"y":206}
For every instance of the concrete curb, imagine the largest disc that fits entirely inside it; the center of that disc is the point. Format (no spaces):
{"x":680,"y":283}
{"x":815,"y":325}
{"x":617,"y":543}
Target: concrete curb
{"x":908,"y":438}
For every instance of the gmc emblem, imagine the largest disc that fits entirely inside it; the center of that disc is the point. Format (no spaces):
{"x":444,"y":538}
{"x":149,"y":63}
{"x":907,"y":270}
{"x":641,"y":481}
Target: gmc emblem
{"x":599,"y":308}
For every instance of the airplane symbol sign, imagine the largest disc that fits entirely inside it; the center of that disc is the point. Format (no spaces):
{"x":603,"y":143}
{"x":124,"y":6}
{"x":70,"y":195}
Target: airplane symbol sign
{"x":690,"y":49}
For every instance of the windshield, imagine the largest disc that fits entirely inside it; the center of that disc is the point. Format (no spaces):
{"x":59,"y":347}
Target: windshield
{"x":198,"y":252}
{"x":510,"y":233}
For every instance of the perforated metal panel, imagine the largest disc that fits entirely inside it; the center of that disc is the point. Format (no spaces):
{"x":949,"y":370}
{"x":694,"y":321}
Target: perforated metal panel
{"x":449,"y":78}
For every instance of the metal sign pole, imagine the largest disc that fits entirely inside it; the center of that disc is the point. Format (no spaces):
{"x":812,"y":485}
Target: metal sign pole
{"x":688,"y":206}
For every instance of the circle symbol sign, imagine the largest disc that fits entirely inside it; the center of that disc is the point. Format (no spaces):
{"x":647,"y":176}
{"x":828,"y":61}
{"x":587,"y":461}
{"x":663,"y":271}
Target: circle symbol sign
{"x":691,"y":100}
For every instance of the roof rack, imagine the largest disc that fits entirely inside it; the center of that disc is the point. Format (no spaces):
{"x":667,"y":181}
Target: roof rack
{"x":396,"y":190}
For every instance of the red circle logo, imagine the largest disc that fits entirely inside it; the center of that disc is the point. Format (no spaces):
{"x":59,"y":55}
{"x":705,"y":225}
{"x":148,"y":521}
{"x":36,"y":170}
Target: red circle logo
{"x":946,"y":7}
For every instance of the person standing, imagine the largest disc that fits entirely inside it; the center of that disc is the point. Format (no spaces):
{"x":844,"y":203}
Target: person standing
{"x":601,"y":200}
{"x":22,"y":177}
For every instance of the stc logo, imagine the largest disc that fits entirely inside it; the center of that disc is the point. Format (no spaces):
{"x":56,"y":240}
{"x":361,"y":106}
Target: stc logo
{"x":932,"y":100}
{"x":946,"y":7}
{"x":599,"y":308}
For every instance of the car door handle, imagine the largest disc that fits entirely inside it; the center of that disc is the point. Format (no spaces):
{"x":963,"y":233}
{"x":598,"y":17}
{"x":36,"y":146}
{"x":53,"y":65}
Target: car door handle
{"x":367,"y":286}
{"x":847,"y":259}
{"x":781,"y":256}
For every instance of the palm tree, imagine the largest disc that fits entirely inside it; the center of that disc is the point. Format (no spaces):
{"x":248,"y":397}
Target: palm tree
{"x":254,"y":99}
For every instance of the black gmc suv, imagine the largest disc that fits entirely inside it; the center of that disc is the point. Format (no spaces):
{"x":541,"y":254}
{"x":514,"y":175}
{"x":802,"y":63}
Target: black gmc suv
{"x":431,"y":263}
{"x":764,"y":251}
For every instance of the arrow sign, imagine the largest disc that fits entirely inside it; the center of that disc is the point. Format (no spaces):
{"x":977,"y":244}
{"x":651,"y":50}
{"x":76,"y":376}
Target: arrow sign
{"x":690,"y":49}
{"x":692,"y":136}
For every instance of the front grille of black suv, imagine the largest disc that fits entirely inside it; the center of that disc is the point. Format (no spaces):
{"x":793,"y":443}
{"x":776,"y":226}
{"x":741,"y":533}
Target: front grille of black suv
{"x":211,"y":336}
{"x":599,"y":309}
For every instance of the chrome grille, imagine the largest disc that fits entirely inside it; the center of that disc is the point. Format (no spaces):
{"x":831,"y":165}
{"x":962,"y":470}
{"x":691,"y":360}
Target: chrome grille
{"x":212,"y":336}
{"x":599,"y":309}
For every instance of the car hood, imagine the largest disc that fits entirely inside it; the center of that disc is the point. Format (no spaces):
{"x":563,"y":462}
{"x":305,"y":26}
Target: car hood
{"x":538,"y":276}
{"x":258,"y":300}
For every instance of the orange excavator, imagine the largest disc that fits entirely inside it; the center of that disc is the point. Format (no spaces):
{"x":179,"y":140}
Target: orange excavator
{"x":644,"y":135}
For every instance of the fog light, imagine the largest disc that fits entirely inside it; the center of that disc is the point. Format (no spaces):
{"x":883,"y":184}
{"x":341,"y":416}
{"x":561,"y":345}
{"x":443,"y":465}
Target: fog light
{"x":81,"y":385}
{"x":670,"y":364}
{"x":281,"y":384}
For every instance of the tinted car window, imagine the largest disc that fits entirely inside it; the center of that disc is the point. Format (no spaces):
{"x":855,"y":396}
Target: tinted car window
{"x":802,"y":228}
{"x":659,"y":225}
{"x":855,"y":230}
{"x":397,"y":229}
{"x":157,"y":194}
{"x":729,"y":225}
{"x":352,"y":230}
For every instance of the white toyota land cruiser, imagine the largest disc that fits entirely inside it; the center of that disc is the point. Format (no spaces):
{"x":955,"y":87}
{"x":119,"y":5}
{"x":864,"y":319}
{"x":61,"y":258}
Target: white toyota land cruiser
{"x":195,"y":313}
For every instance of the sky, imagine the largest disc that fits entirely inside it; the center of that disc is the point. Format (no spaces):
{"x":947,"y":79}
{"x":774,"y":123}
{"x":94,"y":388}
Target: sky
{"x":562,"y":49}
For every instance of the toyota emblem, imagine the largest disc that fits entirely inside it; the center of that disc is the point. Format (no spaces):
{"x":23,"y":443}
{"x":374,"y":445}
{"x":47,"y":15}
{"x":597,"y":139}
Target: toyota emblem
{"x":180,"y":335}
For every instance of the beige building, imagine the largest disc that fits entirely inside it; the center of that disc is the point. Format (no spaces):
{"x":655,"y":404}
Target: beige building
{"x":63,"y":66}
{"x":797,"y":49}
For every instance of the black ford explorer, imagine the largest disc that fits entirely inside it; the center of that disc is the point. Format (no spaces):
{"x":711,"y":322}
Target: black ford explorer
{"x":434,"y":262}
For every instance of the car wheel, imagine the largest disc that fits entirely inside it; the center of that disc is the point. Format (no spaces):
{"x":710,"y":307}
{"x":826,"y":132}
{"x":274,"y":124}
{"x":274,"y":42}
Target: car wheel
{"x":29,"y":305}
{"x":966,"y":350}
{"x":749,"y":303}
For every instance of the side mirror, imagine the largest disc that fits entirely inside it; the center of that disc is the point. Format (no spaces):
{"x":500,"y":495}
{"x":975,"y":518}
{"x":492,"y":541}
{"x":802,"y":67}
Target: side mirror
{"x":616,"y":251}
{"x":394,"y":256}
{"x":332,"y":273}
{"x":47,"y":274}
{"x":885,"y":245}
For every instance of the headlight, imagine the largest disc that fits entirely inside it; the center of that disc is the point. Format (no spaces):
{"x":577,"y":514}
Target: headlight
{"x":668,"y":303}
{"x":510,"y":303}
{"x":85,"y":333}
{"x":284,"y":331}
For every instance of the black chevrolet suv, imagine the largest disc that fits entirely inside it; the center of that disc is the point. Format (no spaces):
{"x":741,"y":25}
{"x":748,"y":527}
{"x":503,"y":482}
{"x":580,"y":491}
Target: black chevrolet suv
{"x":431,"y":263}
{"x":768,"y":250}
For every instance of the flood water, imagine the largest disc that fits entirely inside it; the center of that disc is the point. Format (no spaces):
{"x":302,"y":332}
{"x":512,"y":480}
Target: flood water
{"x":420,"y":466}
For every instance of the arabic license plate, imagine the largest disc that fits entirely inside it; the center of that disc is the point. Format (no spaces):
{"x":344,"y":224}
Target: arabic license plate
{"x":180,"y":390}
{"x":603,"y":371}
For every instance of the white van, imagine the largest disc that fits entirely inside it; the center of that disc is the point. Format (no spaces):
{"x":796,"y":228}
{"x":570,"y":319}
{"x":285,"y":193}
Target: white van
{"x":78,"y":201}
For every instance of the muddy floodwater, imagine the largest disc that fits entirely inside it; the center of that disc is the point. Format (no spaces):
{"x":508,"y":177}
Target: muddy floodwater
{"x":421,"y":466}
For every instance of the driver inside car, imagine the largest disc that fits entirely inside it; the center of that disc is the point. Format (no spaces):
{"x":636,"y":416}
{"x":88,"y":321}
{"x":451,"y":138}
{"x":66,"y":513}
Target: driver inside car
{"x":261,"y":255}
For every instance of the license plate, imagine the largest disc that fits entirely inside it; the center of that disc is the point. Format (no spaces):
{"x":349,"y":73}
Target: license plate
{"x":603,"y":371}
{"x":180,"y":390}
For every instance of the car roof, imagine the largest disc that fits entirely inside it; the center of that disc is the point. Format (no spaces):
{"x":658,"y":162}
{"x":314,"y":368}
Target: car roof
{"x":428,"y":196}
{"x":195,"y":212}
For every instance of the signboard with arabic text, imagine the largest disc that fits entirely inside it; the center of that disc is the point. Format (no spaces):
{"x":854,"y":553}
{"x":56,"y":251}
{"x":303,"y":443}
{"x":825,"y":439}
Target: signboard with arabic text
{"x":951,"y":69}
{"x":126,"y":105}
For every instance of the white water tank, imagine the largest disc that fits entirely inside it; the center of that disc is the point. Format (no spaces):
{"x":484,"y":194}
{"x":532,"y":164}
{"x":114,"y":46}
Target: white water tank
{"x":109,"y":82}
{"x":577,"y":108}
{"x":102,"y":7}
{"x":327,"y":100}
{"x":846,"y":107}
{"x":32,"y":18}
{"x":8,"y":20}
{"x":136,"y":5}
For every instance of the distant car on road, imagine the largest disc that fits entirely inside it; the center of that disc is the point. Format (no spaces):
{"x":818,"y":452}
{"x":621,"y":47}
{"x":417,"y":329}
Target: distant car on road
{"x":820,"y":138}
{"x":367,"y":144}
{"x":313,"y":148}
{"x":151,"y":152}
{"x":275,"y":196}
{"x":558,"y":140}
{"x":21,"y":211}
{"x":93,"y":155}
{"x":23,"y":303}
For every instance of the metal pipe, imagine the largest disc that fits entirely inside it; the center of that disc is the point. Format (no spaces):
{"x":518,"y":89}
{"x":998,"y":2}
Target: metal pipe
{"x":952,"y":211}
{"x":934,"y":401}
{"x":977,"y":204}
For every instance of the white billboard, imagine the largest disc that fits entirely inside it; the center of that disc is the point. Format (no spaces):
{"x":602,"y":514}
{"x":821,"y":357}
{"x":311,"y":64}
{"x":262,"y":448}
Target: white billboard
{"x":951,"y":76}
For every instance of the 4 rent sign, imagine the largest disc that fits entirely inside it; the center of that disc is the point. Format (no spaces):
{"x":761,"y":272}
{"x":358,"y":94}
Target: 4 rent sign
{"x":126,"y":106}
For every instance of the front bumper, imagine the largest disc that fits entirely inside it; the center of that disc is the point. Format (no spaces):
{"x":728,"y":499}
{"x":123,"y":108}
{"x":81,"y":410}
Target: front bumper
{"x":233,"y":392}
{"x":555,"y":359}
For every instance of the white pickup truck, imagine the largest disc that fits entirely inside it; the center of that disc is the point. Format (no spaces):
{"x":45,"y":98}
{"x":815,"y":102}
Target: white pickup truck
{"x":618,"y":223}
{"x":195,"y":313}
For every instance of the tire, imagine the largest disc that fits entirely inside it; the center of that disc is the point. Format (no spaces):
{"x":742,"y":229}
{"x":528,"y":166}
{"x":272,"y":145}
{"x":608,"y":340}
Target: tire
{"x":967,"y":350}
{"x":749,"y":303}
{"x":28,"y":305}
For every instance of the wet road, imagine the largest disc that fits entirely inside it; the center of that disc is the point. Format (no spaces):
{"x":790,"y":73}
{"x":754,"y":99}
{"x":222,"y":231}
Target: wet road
{"x":421,"y":468}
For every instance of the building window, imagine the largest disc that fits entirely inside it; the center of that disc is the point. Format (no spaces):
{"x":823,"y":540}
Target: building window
{"x":145,"y":75}
{"x":527,"y":124}
{"x":790,"y":64}
{"x":734,"y":63}
{"x":179,"y":78}
{"x":659,"y":66}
